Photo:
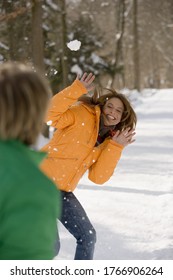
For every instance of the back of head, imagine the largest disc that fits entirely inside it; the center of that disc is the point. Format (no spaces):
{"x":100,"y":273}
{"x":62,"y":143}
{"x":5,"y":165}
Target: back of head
{"x":24,"y":96}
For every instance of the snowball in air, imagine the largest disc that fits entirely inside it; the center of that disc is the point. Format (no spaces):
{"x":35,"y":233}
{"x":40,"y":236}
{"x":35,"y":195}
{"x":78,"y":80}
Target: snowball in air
{"x":74,"y":45}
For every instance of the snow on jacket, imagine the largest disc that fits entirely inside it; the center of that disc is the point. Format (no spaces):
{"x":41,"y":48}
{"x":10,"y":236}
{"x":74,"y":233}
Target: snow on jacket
{"x":72,"y":151}
{"x":29,"y":205}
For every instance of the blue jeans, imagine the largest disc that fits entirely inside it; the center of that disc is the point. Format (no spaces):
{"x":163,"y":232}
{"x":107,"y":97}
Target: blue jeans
{"x":75,"y":220}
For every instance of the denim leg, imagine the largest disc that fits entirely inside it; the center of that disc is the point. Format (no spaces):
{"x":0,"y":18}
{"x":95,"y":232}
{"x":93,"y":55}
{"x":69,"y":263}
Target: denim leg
{"x":75,"y":220}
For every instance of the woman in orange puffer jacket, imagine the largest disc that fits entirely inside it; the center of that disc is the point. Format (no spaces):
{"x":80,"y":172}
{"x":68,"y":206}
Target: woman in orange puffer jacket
{"x":91,"y":133}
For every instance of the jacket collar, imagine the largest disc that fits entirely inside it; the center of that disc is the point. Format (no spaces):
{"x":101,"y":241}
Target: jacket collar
{"x":95,"y":110}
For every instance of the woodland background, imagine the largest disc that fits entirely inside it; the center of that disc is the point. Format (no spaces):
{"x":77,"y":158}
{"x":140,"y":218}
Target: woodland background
{"x":126,"y":43}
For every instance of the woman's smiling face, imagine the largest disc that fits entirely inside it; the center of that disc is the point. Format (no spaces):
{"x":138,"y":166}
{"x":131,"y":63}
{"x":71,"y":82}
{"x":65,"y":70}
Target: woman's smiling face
{"x":112,"y":111}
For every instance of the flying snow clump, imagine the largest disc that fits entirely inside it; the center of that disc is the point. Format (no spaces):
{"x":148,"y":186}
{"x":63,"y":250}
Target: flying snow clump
{"x":74,"y":45}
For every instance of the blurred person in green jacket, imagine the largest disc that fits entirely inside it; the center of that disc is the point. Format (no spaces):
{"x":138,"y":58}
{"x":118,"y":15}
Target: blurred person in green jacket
{"x":29,"y":202}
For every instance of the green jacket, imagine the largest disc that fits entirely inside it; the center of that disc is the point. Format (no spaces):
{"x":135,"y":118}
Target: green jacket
{"x":29,"y":205}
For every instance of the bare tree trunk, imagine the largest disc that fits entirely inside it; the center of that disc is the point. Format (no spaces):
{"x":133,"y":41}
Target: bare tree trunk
{"x":136,"y":46}
{"x":8,"y":7}
{"x":38,"y":44}
{"x":118,"y":59}
{"x":120,"y":25}
{"x":37,"y":35}
{"x":64,"y":55}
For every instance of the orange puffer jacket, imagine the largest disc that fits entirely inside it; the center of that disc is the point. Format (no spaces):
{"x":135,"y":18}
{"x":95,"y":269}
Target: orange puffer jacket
{"x":72,"y":151}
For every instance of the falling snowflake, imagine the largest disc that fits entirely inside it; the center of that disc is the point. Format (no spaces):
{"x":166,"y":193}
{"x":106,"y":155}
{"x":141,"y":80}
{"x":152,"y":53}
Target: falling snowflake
{"x":49,"y":122}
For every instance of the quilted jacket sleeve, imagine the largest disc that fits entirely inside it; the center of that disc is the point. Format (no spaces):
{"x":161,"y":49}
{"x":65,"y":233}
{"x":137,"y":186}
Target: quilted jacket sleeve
{"x":60,"y":104}
{"x":107,"y":157}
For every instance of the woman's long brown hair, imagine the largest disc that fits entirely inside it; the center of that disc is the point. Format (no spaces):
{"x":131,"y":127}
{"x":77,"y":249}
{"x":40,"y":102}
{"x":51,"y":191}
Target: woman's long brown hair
{"x":129,"y":118}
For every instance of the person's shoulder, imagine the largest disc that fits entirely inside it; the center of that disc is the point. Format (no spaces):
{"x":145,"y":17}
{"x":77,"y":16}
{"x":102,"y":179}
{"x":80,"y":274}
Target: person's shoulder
{"x":19,"y":166}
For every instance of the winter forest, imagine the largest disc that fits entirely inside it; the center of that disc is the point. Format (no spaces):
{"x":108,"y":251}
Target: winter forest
{"x":128,"y":45}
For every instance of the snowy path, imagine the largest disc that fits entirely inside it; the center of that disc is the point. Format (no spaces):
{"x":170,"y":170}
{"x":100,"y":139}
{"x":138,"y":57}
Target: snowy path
{"x":133,"y":211}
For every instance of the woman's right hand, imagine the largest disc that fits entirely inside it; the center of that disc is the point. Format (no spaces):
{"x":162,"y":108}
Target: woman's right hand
{"x":87,"y":80}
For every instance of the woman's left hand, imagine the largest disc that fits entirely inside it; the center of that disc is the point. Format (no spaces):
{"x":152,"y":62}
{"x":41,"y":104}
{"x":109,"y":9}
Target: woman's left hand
{"x":125,"y":137}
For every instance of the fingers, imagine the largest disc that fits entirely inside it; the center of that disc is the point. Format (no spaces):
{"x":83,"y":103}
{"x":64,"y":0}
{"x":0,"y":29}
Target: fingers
{"x":83,"y":77}
{"x":125,"y":137}
{"x":131,"y":141}
{"x":116,"y":133}
{"x":87,"y":78}
{"x":90,"y":78}
{"x":129,"y":137}
{"x":129,"y":133}
{"x":78,"y":77}
{"x":128,"y":130}
{"x":87,"y":81}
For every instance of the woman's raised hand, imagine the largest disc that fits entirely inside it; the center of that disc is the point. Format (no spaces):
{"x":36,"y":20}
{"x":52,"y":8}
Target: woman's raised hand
{"x":125,"y":137}
{"x":87,"y":80}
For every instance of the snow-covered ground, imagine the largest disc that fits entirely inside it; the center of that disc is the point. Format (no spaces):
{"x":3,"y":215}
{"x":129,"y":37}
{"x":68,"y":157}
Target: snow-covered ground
{"x":133,"y":212}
